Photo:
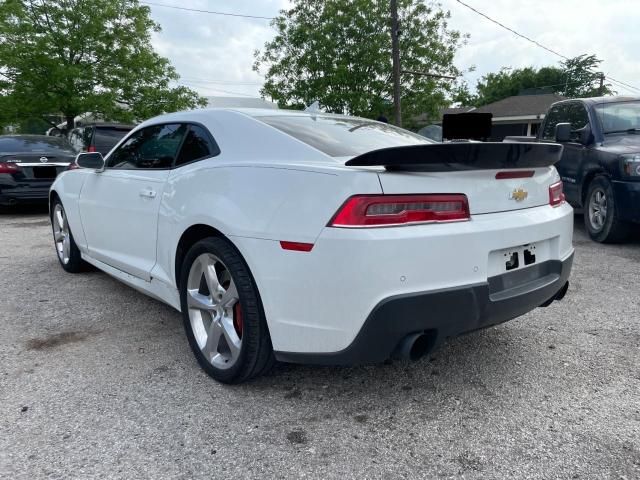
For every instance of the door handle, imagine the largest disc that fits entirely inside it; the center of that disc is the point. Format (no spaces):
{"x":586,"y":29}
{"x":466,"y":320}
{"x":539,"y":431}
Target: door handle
{"x":148,"y":193}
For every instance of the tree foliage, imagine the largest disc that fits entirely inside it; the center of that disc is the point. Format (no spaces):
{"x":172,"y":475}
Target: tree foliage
{"x":77,"y":56}
{"x":575,"y":77}
{"x":338,"y":52}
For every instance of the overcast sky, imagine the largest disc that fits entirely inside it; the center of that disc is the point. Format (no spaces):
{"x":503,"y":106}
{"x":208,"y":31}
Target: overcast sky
{"x":214,"y":53}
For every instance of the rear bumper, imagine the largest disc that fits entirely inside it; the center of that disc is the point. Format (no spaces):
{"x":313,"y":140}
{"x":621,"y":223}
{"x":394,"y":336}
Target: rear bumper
{"x":627,"y":196}
{"x":13,"y":193}
{"x":446,"y":313}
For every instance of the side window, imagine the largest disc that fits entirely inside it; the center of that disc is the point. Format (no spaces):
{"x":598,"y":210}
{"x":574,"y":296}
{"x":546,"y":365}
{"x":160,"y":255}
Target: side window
{"x":197,"y":145}
{"x":556,"y":115}
{"x":152,"y":147}
{"x":578,"y":116}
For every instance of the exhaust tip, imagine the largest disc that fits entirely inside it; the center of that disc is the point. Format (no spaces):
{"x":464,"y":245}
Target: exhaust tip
{"x":415,"y":346}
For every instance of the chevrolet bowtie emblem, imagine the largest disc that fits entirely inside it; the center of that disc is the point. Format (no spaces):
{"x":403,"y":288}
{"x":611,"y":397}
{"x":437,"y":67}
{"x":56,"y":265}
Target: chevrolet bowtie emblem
{"x":519,"y":194}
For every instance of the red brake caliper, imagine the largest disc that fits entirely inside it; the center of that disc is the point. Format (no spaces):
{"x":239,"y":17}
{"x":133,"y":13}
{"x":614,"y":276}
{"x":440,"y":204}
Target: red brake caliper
{"x":237,"y":319}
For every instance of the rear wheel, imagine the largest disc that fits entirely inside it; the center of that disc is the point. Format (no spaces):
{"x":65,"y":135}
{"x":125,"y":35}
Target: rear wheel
{"x":222,"y":313}
{"x":601,"y":213}
{"x":66,"y":248}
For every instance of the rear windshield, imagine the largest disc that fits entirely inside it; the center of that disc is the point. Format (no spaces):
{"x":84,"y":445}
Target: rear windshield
{"x":109,"y":136}
{"x":36,"y":143}
{"x":343,"y":137}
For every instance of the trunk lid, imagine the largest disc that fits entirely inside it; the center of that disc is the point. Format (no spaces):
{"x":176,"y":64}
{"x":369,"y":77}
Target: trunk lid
{"x":37,"y":166}
{"x":486,"y":193}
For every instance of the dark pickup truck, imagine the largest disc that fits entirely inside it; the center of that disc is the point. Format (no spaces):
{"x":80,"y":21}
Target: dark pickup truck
{"x":600,"y":164}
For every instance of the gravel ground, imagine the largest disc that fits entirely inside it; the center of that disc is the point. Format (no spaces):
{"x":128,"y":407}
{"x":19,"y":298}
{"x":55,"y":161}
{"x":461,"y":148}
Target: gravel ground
{"x":97,"y":381}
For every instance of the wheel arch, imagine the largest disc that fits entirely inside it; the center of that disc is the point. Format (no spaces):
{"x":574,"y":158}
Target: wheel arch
{"x":190,"y":237}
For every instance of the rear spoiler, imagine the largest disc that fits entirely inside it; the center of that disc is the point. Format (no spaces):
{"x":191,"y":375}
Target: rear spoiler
{"x":443,"y":157}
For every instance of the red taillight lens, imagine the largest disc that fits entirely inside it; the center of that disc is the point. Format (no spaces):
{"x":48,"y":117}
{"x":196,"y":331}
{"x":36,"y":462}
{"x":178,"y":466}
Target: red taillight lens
{"x":8,"y":167}
{"x":389,"y":210}
{"x":515,"y":174}
{"x":91,"y":149}
{"x":556,"y":195}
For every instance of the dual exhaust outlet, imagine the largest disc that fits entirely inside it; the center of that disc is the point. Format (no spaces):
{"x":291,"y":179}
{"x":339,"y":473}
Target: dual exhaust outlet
{"x":415,"y":345}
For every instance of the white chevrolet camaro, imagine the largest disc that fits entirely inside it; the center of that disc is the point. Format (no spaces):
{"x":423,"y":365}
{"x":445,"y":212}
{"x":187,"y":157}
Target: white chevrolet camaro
{"x":324,"y":239}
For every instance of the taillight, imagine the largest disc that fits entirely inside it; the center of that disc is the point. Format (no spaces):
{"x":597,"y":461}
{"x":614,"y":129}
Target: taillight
{"x":8,"y":167}
{"x":91,"y":149}
{"x":556,"y":194}
{"x":390,"y":210}
{"x":515,"y":174}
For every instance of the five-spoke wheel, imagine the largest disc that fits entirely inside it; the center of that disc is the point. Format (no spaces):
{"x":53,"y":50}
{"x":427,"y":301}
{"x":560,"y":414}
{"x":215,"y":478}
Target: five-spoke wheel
{"x":66,"y":248}
{"x":222,"y":312}
{"x":214,"y":311}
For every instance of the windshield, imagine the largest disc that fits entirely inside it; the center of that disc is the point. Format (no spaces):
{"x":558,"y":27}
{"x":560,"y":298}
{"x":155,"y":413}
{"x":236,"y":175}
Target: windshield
{"x":34,"y":143}
{"x":341,"y":136}
{"x":619,"y":117}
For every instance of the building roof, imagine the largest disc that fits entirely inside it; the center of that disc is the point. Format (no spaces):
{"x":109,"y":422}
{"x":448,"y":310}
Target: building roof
{"x":454,"y":110}
{"x":520,"y":105}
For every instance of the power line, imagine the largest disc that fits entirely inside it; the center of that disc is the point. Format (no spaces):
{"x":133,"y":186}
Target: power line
{"x":228,"y":14}
{"x":536,"y":42}
{"x":512,"y":30}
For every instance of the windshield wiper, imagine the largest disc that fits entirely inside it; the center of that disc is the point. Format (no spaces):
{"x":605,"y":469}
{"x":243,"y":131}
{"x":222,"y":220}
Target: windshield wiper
{"x":628,"y":130}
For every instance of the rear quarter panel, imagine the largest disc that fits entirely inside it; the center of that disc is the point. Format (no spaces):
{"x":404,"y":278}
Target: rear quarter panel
{"x":265,"y":202}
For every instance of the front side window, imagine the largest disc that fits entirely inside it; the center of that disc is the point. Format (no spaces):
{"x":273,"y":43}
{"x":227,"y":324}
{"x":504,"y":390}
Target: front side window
{"x":197,"y":145}
{"x":557,"y":114}
{"x":152,"y":147}
{"x":578,"y":116}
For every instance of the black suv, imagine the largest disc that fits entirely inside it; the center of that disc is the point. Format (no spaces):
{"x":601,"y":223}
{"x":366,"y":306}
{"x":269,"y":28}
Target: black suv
{"x":98,"y":137}
{"x":600,"y":165}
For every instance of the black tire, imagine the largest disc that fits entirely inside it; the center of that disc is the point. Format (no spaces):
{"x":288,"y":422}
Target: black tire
{"x":73,"y":263}
{"x":612,"y":229}
{"x":256,"y":352}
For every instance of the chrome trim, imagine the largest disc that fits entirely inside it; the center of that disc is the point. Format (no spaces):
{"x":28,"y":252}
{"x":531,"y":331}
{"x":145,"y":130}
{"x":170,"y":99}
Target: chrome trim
{"x":49,"y":164}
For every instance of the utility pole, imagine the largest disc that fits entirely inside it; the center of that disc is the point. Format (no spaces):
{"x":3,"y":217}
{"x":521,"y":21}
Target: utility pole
{"x":395,"y":52}
{"x":601,"y":90}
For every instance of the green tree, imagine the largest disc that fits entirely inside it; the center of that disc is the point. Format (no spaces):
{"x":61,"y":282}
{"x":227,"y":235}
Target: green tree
{"x":77,"y":56}
{"x":583,"y":77}
{"x":575,"y":77}
{"x":338,"y":52}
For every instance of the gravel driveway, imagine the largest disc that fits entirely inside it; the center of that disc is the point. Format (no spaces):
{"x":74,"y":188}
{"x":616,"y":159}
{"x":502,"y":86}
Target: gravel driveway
{"x":97,"y":381}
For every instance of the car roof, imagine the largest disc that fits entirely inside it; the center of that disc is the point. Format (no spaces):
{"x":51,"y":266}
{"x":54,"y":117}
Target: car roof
{"x":601,"y":100}
{"x":109,"y":125}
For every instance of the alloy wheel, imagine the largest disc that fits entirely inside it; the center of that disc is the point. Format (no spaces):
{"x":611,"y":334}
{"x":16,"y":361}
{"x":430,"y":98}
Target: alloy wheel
{"x":598,"y":209}
{"x":214,"y":311}
{"x":61,"y":234}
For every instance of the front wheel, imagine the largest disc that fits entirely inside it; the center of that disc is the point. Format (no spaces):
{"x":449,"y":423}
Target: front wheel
{"x":601,"y":213}
{"x":222,"y":313}
{"x":66,"y":248}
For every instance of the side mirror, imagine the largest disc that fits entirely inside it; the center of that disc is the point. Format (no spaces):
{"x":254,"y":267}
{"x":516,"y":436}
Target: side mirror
{"x":92,"y":160}
{"x":563,"y":132}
